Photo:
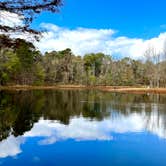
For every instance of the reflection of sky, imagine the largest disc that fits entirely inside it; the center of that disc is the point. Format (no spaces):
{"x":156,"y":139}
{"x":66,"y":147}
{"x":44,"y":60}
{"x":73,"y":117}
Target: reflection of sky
{"x":81,"y":129}
{"x":11,"y":146}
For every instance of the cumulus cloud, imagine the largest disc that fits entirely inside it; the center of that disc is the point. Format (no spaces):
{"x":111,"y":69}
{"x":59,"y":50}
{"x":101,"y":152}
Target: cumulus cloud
{"x":84,"y":40}
{"x":80,"y":40}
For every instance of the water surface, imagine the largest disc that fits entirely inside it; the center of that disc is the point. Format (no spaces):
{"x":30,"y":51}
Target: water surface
{"x":78,"y":128}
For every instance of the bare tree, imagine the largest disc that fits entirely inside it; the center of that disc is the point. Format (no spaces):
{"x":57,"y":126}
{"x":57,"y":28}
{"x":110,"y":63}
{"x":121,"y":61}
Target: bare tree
{"x":164,"y":51}
{"x":153,"y":60}
{"x":163,"y":65}
{"x":26,"y":10}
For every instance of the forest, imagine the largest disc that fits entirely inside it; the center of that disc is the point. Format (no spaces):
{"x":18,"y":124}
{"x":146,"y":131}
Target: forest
{"x":23,"y":64}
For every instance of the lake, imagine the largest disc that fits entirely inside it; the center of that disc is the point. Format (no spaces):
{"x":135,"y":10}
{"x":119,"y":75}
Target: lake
{"x":82,"y":128}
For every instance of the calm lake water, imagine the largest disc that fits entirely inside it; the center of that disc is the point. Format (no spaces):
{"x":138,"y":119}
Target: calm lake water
{"x":82,"y":128}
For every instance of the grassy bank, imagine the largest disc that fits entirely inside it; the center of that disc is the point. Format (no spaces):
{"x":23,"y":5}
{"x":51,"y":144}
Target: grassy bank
{"x":122,"y":89}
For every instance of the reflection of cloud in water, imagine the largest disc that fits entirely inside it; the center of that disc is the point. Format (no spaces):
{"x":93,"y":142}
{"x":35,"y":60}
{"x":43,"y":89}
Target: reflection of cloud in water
{"x":10,"y":146}
{"x":156,"y":123}
{"x":36,"y":159}
{"x":81,"y":129}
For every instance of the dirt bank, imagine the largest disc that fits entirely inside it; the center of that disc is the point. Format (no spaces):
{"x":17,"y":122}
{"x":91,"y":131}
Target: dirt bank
{"x":122,"y":89}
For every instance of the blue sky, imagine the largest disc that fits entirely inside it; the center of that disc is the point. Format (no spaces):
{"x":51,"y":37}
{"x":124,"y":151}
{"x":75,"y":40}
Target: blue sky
{"x":132,"y":18}
{"x":120,"y":28}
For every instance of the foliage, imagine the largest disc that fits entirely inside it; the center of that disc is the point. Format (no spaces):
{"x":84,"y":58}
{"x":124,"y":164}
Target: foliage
{"x":22,"y":64}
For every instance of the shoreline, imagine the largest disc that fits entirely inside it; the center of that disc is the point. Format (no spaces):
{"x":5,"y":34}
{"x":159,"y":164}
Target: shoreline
{"x":120,"y":89}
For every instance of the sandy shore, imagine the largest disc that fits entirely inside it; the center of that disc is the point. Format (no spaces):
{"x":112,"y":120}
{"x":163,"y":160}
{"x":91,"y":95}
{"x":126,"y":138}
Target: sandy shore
{"x":122,"y":89}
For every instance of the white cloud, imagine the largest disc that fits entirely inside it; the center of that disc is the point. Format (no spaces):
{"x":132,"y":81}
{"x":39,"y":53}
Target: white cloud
{"x":80,"y":40}
{"x":10,"y":19}
{"x":84,"y":40}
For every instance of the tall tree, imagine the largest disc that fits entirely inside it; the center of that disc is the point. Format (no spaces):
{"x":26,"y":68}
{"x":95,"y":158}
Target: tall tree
{"x":153,"y":69}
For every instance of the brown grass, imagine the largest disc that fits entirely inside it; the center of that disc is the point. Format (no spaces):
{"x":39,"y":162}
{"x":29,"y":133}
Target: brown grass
{"x":137,"y":90}
{"x":122,"y":89}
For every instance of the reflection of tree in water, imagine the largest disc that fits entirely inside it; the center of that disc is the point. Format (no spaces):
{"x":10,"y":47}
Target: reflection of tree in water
{"x":20,"y":110}
{"x":28,"y":111}
{"x":152,"y":109}
{"x":62,"y":105}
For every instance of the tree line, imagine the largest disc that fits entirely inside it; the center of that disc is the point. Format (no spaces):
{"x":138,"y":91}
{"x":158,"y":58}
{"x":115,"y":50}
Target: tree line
{"x":22,"y":64}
